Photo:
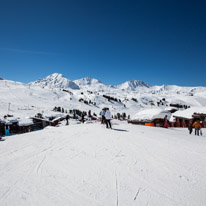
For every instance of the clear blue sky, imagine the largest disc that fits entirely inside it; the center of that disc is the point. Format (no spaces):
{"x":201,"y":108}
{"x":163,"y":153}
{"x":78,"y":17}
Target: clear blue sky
{"x":157,"y":41}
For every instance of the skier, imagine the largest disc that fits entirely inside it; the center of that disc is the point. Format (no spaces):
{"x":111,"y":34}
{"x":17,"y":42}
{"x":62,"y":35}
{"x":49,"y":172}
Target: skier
{"x":83,"y":114}
{"x":67,"y":119}
{"x":89,"y":116}
{"x":102,"y":113}
{"x":7,"y":130}
{"x":190,"y":128}
{"x":108,"y":119}
{"x":165,"y":125}
{"x":197,"y":127}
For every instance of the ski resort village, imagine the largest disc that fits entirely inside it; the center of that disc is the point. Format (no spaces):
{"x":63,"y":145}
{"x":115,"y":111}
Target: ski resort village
{"x":57,"y":147}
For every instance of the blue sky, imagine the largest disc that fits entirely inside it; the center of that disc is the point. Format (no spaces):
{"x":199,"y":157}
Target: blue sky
{"x":159,"y":42}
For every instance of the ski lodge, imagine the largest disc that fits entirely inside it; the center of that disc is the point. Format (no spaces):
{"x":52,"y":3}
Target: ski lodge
{"x":181,"y":118}
{"x":150,"y":117}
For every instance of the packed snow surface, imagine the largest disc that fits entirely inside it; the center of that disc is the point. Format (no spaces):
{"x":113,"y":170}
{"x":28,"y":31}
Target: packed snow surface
{"x":87,"y":164}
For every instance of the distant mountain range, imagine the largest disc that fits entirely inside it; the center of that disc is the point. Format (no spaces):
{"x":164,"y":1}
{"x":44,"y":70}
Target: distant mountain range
{"x":91,"y":94}
{"x":57,"y":80}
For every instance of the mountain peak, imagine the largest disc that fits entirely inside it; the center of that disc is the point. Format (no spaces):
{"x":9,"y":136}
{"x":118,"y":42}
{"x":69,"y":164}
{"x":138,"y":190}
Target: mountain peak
{"x":87,"y":81}
{"x":133,"y":84}
{"x":55,"y":75}
{"x":56,"y":80}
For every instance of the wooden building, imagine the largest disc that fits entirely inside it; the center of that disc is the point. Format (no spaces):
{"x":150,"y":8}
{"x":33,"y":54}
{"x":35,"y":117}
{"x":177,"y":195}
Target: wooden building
{"x":201,"y":117}
{"x":183,"y":118}
{"x":150,"y":117}
{"x":181,"y":121}
{"x":40,"y":123}
{"x":25,"y":125}
{"x":16,"y":126}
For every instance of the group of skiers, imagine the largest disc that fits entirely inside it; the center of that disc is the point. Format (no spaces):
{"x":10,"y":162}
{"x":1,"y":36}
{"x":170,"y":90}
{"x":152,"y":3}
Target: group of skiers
{"x":197,"y":126}
{"x":106,"y":117}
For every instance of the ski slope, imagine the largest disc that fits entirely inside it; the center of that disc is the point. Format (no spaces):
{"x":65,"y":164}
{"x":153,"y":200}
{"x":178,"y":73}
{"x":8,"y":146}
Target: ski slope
{"x":89,"y":165}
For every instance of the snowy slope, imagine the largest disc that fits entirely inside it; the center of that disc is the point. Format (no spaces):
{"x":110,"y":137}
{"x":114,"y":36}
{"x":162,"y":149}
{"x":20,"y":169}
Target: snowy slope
{"x":56,"y":81}
{"x":89,"y":165}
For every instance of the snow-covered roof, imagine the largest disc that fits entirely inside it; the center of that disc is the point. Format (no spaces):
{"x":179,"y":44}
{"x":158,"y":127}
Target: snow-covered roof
{"x":150,"y":114}
{"x":187,"y":113}
{"x":25,"y":122}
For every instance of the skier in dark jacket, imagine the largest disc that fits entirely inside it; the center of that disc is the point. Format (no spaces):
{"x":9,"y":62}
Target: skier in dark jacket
{"x":89,"y":116}
{"x":190,"y":128}
{"x":83,"y":114}
{"x":67,"y":119}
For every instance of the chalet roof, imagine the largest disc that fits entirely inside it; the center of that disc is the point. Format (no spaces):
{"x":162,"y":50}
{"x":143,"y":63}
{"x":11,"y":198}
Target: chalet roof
{"x":188,"y":113}
{"x":25,"y":122}
{"x":150,"y":114}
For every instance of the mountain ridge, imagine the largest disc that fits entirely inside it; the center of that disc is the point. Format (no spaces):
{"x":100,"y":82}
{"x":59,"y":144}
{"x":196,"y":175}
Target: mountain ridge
{"x":57,"y":80}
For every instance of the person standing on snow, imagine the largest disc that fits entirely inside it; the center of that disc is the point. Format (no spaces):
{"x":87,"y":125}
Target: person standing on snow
{"x":165,"y":125}
{"x":197,"y":127}
{"x":108,"y":119}
{"x":67,"y":120}
{"x":7,"y":130}
{"x":102,"y":113}
{"x":89,"y":116}
{"x":82,"y":120}
{"x":190,"y":128}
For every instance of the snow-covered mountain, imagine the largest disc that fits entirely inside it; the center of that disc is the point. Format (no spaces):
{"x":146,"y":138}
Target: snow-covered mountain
{"x":56,"y":81}
{"x":92,"y":84}
{"x":1,"y":78}
{"x":87,"y":81}
{"x":132,"y":85}
{"x":92,"y":94}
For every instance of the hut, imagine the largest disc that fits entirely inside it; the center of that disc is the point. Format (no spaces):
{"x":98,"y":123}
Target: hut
{"x":16,"y":126}
{"x":201,"y":117}
{"x":183,"y":118}
{"x":42,"y":122}
{"x":150,"y":117}
{"x":25,"y":125}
